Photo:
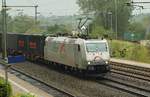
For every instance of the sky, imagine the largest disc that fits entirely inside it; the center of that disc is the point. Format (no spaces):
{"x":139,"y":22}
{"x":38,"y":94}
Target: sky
{"x":58,"y":7}
{"x":146,"y":9}
{"x":46,"y":7}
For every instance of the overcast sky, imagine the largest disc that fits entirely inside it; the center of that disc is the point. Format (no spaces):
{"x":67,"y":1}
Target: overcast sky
{"x":57,"y":7}
{"x":146,"y":7}
{"x":47,"y":7}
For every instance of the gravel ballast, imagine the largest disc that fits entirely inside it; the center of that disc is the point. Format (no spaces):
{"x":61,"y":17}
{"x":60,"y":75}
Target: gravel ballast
{"x":78,"y":86}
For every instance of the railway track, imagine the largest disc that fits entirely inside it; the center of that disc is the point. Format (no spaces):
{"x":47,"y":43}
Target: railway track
{"x":129,"y":88}
{"x":58,"y":92}
{"x":140,"y":77}
{"x":135,"y":90}
{"x":124,"y":70}
{"x":131,"y":67}
{"x":140,"y":73}
{"x":49,"y":88}
{"x":108,"y":81}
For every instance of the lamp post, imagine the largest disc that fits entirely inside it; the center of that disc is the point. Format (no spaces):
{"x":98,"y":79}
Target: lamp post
{"x":116,"y":18}
{"x":36,"y":6}
{"x":111,"y":22}
{"x":4,"y":28}
{"x":4,"y":41}
{"x":7,"y":66}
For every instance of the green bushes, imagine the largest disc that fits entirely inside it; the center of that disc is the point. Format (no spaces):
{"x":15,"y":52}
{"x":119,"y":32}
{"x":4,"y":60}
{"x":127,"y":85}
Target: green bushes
{"x":25,"y":95}
{"x":5,"y":90}
{"x":130,"y":51}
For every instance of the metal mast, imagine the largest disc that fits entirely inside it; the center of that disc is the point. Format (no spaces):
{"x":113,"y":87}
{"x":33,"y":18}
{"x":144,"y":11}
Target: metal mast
{"x":4,"y":28}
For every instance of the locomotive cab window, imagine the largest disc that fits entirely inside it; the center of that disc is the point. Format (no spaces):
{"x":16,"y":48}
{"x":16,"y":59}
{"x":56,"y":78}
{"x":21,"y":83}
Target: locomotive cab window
{"x":96,"y":47}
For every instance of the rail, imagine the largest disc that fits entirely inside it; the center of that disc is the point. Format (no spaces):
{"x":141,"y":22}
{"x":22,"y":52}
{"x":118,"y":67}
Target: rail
{"x":37,"y":80}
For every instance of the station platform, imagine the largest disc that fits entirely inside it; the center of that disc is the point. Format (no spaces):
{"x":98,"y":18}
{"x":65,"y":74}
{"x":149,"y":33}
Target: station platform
{"x":20,"y":86}
{"x":135,"y":63}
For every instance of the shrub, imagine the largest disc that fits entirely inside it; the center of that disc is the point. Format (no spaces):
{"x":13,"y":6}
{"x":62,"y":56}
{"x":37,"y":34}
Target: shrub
{"x":5,"y":90}
{"x":130,"y":51}
{"x":24,"y":95}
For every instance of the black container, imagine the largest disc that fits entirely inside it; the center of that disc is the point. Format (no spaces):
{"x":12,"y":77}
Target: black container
{"x":35,"y":44}
{"x":22,"y":42}
{"x":12,"y":41}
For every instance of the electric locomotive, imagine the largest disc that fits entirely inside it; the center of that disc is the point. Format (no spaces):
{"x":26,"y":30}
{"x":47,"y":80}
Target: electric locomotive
{"x":75,"y":54}
{"x":78,"y":54}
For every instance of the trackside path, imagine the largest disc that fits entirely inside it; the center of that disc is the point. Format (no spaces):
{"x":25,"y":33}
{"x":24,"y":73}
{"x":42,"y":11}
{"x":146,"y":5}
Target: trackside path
{"x":20,"y":86}
{"x":134,"y":63}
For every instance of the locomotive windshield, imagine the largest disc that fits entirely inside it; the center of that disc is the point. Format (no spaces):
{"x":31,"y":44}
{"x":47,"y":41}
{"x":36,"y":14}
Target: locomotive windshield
{"x":96,"y":47}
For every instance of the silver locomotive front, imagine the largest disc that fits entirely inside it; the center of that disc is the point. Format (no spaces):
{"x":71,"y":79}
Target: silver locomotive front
{"x":97,"y":56}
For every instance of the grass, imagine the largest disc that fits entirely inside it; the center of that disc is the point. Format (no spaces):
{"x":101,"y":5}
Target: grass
{"x":5,"y":89}
{"x":129,"y":51}
{"x":24,"y":95}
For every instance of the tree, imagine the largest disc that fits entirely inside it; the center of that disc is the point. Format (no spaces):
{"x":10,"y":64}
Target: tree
{"x":141,"y":24}
{"x":1,"y":21}
{"x":99,"y":31}
{"x":146,"y":23}
{"x":21,"y":24}
{"x":59,"y":29}
{"x":136,"y":27}
{"x":101,"y":9}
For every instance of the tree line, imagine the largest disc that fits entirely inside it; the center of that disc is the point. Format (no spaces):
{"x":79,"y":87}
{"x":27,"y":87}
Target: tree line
{"x":112,"y":17}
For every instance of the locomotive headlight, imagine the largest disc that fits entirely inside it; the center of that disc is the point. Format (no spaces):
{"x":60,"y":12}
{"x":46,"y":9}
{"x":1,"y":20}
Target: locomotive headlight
{"x":89,"y":63}
{"x":106,"y":62}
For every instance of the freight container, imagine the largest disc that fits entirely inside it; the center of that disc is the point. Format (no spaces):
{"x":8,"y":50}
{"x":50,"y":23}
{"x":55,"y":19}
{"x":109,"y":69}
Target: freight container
{"x":22,"y":42}
{"x":12,"y":41}
{"x":35,"y":44}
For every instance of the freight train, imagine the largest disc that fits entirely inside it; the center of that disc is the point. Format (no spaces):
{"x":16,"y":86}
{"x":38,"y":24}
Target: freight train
{"x":75,"y":54}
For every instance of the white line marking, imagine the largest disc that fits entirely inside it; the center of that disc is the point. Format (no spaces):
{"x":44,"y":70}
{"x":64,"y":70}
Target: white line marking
{"x":19,"y":86}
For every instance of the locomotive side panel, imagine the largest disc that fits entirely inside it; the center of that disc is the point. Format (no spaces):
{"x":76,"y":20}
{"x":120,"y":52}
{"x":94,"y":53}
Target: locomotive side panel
{"x":60,"y":53}
{"x":80,"y":56}
{"x":67,"y":51}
